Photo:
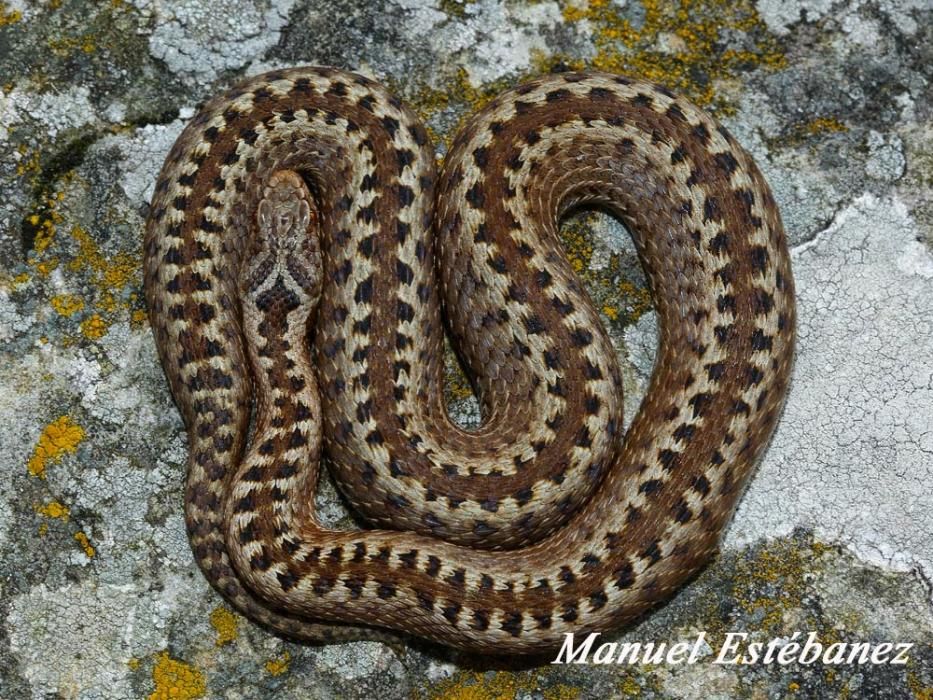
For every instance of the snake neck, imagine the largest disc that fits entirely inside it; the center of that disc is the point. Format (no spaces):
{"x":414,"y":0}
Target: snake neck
{"x":280,"y":282}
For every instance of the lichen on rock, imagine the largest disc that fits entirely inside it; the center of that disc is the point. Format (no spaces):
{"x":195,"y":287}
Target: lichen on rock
{"x":99,"y":593}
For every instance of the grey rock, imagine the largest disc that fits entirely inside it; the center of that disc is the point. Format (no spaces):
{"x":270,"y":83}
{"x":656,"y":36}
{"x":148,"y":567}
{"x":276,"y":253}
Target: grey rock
{"x":99,"y":594}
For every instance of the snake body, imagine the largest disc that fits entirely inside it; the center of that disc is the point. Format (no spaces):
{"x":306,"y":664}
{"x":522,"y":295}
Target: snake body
{"x":310,"y":195}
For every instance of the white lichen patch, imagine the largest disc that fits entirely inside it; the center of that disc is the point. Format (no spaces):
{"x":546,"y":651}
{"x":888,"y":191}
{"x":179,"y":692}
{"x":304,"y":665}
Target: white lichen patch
{"x":799,"y":184}
{"x":117,"y":398}
{"x":132,"y":527}
{"x":142,"y":154}
{"x":885,"y":157}
{"x":77,"y":640}
{"x":12,"y":323}
{"x":421,"y":19}
{"x":201,"y":39}
{"x":53,"y":112}
{"x":501,"y":39}
{"x":780,"y":16}
{"x":641,"y":345}
{"x":853,"y":455}
{"x":355,"y":660}
{"x":897,"y":609}
{"x":699,"y":682}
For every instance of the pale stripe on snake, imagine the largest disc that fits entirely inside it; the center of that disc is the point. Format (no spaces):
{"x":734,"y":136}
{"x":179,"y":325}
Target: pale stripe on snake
{"x":544,"y":520}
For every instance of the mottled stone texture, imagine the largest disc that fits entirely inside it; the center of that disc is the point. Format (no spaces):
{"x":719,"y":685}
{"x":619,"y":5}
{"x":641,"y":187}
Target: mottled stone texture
{"x":99,"y":595}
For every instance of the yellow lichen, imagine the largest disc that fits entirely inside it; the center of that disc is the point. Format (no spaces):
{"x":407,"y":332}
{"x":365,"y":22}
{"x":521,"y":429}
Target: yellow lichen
{"x":562,"y":692}
{"x":917,"y":687}
{"x":85,"y":543}
{"x":67,"y":304}
{"x":638,"y":298}
{"x":60,"y":437}
{"x":54,"y":509}
{"x":8,"y":16}
{"x":176,"y":680}
{"x":456,"y":384}
{"x":677,"y":41}
{"x":46,"y":223}
{"x":631,"y":688}
{"x":224,"y":623}
{"x":278,"y":665}
{"x":575,"y":11}
{"x":783,"y":564}
{"x":63,"y":47}
{"x":822,"y":125}
{"x":475,"y":686}
{"x":19,"y":280}
{"x":133,"y":664}
{"x":46,"y":266}
{"x":44,"y":220}
{"x":579,"y":247}
{"x":542,"y":62}
{"x":29,"y":162}
{"x":94,"y":327}
{"x":619,"y":298}
{"x":502,"y":685}
{"x":109,"y":274}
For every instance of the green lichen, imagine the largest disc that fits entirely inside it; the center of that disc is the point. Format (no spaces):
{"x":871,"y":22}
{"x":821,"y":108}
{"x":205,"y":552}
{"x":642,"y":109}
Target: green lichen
{"x":67,"y":40}
{"x":621,"y":300}
{"x":455,"y":8}
{"x":502,"y":685}
{"x":686,"y":45}
{"x":9,"y":16}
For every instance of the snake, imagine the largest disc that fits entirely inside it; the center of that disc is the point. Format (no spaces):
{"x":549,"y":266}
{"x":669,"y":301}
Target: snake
{"x":304,"y":257}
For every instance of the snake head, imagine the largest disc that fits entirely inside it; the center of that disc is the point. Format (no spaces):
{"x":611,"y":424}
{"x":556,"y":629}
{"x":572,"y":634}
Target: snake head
{"x":284,"y":246}
{"x":284,"y":213}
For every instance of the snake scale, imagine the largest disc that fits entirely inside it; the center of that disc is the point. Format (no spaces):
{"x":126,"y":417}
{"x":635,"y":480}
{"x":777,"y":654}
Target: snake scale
{"x":300,"y":248}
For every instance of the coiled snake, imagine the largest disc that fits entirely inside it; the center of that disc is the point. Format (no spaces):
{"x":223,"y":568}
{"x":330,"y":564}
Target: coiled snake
{"x":317,"y":183}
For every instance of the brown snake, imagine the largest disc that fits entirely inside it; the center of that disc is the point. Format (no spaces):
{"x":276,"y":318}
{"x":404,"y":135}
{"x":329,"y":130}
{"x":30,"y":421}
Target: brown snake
{"x":544,"y":520}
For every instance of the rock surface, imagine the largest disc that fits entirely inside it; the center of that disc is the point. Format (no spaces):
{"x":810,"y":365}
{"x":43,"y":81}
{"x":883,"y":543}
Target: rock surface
{"x":99,"y":594}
